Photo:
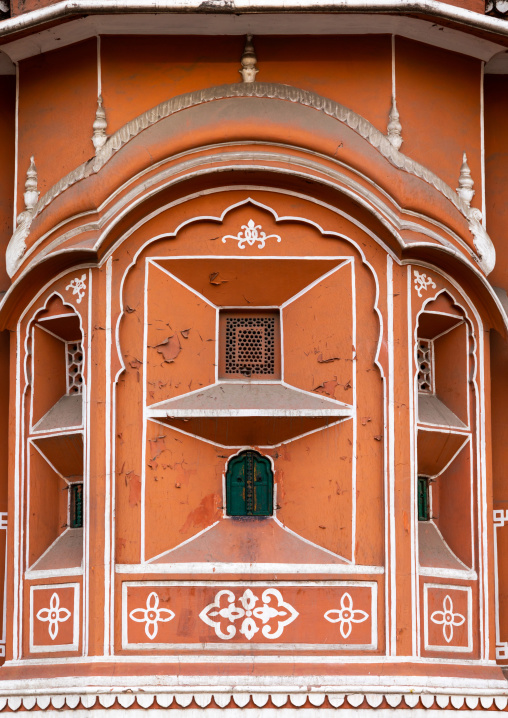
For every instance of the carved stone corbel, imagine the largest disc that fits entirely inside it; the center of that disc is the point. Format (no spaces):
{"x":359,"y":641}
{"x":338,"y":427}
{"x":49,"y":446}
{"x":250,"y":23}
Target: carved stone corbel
{"x":249,"y":59}
{"x":100,"y":124}
{"x":17,"y":244}
{"x":481,"y":240}
{"x":465,"y":189}
{"x":394,"y":128}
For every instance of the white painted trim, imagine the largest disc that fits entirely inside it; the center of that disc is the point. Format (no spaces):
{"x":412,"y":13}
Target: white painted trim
{"x":225,"y":569}
{"x":99,"y":67}
{"x":468,"y":574}
{"x":74,"y":646}
{"x":110,"y":436}
{"x":447,"y":648}
{"x":16,"y":152}
{"x":392,"y":565}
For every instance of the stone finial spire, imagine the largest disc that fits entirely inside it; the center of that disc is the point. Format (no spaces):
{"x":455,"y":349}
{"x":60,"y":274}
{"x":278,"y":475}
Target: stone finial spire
{"x":465,"y":189}
{"x":99,"y":136}
{"x":31,"y":194}
{"x":394,"y":127}
{"x":249,"y":59}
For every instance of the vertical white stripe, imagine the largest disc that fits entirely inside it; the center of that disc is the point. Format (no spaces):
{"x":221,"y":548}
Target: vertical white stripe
{"x":415,"y":593}
{"x":392,"y":577}
{"x":99,"y":67}
{"x":394,"y":88}
{"x":16,"y":537}
{"x":107,"y":472}
{"x":482,"y":140}
{"x":352,"y":267}
{"x":145,"y":379}
{"x":86,"y":477}
{"x":16,"y":135}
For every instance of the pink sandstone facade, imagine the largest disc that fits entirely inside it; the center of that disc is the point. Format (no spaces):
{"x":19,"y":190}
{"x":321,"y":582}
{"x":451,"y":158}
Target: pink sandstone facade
{"x":253,"y":341}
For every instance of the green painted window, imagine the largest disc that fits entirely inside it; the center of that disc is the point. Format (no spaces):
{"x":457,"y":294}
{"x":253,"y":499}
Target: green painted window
{"x":249,"y":485}
{"x":423,"y":498}
{"x":76,"y":506}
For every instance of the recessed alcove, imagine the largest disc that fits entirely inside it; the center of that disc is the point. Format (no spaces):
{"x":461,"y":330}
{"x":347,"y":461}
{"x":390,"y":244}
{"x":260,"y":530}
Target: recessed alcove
{"x":55,"y":463}
{"x":228,"y":282}
{"x":57,"y":372}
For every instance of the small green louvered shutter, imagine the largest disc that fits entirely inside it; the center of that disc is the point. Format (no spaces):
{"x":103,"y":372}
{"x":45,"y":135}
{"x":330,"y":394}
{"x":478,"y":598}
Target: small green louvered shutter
{"x":249,"y":485}
{"x":76,"y":506}
{"x":423,"y":499}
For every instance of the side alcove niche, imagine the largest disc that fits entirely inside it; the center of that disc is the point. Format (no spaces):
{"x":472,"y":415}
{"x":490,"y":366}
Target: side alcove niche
{"x":54,"y":430}
{"x":198,"y":412}
{"x":446,"y":489}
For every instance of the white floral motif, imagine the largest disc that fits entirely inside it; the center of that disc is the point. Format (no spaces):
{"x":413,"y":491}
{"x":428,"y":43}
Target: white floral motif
{"x":54,"y":615}
{"x":251,"y":235}
{"x":283,"y":612}
{"x":447,"y":618}
{"x":346,"y":615}
{"x":151,"y":615}
{"x":422,"y":282}
{"x":78,"y":287}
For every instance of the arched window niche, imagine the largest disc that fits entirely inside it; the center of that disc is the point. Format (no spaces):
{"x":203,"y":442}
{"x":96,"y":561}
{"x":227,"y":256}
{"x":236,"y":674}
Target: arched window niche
{"x":54,"y":422}
{"x":249,"y":485}
{"x":446,"y":364}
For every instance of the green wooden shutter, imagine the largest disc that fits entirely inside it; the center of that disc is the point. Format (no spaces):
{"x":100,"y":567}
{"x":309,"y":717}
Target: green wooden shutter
{"x":423,"y":499}
{"x":249,"y":485}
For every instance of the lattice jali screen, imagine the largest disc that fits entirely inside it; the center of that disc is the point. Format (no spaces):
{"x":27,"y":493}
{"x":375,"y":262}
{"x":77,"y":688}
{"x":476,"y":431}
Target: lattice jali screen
{"x":74,"y":368}
{"x":424,"y":359}
{"x":249,"y":345}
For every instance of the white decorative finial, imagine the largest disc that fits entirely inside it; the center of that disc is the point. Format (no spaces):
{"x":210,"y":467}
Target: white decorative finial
{"x":249,"y":59}
{"x":99,"y":136}
{"x":465,"y":189}
{"x":31,"y":194}
{"x":394,"y":126}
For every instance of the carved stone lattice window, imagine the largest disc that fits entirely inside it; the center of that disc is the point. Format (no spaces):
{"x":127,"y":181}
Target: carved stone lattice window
{"x":425,"y":362}
{"x":497,"y":8}
{"x":74,"y":368}
{"x":249,"y":345}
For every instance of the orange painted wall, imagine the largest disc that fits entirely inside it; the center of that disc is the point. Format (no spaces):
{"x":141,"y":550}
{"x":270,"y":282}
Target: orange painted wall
{"x":57,"y":103}
{"x":496,"y":162}
{"x":438,"y":98}
{"x":8,"y":95}
{"x":140,"y":72}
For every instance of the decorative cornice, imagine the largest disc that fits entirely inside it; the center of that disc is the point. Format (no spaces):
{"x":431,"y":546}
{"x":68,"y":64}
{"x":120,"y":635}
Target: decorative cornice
{"x":483,"y":244}
{"x":241,"y":699}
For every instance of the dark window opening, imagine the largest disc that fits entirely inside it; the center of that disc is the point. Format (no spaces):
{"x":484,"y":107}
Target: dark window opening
{"x":249,"y":485}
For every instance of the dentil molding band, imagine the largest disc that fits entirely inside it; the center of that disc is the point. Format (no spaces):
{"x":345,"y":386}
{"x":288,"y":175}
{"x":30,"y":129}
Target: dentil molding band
{"x":483,"y":244}
{"x":401,"y":702}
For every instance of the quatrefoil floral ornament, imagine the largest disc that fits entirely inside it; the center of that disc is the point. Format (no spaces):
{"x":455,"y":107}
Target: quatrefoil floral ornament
{"x":346,"y":615}
{"x":54,"y":615}
{"x":152,"y":615}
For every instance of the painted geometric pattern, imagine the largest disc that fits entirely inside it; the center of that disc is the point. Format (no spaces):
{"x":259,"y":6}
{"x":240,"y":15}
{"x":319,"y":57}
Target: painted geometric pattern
{"x":163,"y":614}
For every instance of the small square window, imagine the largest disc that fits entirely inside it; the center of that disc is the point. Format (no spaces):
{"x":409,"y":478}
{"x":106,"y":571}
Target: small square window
{"x":249,"y":344}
